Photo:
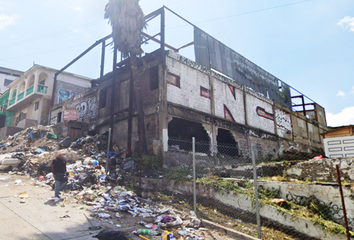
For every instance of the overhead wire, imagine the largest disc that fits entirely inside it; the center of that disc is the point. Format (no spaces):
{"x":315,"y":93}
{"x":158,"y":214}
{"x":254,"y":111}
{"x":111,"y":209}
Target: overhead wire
{"x":96,"y":22}
{"x":244,"y":13}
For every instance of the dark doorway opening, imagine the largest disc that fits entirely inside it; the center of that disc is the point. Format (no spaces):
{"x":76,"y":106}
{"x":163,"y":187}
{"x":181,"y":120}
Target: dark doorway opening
{"x":226,"y":143}
{"x":180,"y":133}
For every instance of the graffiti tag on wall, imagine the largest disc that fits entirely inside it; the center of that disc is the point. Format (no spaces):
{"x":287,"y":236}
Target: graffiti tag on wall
{"x":283,"y":120}
{"x":64,"y":94}
{"x":334,"y":210}
{"x":87,"y":109}
{"x":53,"y":120}
{"x":263,"y":113}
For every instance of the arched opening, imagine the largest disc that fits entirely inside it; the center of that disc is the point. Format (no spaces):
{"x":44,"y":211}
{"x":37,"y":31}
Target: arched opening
{"x":13,"y":95}
{"x":226,"y":143}
{"x":42,"y":83}
{"x":30,"y":85}
{"x":43,"y":79}
{"x":21,"y":90}
{"x":22,"y":87}
{"x":180,"y":133}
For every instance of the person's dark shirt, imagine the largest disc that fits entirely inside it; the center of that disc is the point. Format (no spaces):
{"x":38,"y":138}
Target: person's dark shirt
{"x":58,"y":166}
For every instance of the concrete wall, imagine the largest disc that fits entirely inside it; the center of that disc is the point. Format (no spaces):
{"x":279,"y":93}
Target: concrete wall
{"x":259,"y":112}
{"x":279,"y":129}
{"x":323,"y":170}
{"x":188,"y":93}
{"x":3,"y":88}
{"x":246,"y":205}
{"x":232,"y":98}
{"x":85,"y":105}
{"x":8,"y":131}
{"x":66,"y":90}
{"x":299,"y":193}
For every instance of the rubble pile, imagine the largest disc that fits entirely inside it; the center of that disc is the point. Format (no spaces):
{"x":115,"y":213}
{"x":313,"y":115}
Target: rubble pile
{"x":111,"y":203}
{"x":32,"y":150}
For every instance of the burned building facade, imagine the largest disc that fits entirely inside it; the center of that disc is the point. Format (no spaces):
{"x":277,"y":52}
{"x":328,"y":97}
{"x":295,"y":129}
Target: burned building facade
{"x":220,"y":98}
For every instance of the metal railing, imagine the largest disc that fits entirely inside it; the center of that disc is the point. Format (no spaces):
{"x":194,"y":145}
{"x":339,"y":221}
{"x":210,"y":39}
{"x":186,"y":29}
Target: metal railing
{"x":42,"y":89}
{"x":20,"y":96}
{"x":12,"y":101}
{"x":29,"y":90}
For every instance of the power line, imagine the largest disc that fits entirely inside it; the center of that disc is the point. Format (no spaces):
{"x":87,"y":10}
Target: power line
{"x":255,"y":11}
{"x":244,"y":13}
{"x":54,"y":50}
{"x":51,"y":34}
{"x":96,"y":22}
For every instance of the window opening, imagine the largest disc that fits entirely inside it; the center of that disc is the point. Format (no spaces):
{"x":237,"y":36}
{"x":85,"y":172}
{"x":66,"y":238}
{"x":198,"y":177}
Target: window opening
{"x":180,"y":133}
{"x":154,"y":78}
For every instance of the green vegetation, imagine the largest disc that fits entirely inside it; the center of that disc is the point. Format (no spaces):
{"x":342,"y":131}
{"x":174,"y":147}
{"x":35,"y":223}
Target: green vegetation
{"x":149,"y":161}
{"x":314,"y":211}
{"x":179,"y":174}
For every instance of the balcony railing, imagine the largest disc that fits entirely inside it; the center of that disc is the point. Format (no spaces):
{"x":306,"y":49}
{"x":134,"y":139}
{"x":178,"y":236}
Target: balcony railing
{"x":42,"y":89}
{"x":12,"y":101}
{"x":20,"y":96}
{"x":29,"y":90}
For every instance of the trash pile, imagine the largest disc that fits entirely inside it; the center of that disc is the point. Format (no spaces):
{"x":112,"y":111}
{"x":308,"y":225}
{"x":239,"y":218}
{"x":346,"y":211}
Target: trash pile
{"x":111,"y":203}
{"x":32,"y":150}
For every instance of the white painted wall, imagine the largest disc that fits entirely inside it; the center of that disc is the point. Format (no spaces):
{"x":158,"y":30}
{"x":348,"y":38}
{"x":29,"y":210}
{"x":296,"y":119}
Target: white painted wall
{"x":74,"y":79}
{"x":9,"y":74}
{"x":3,"y":88}
{"x":339,"y":147}
{"x":223,"y":96}
{"x":283,"y":120}
{"x":188,"y":94}
{"x":253,"y":119}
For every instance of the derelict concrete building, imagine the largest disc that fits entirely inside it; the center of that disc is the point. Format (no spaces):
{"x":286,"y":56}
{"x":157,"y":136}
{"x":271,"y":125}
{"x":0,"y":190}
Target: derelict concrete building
{"x":220,"y":97}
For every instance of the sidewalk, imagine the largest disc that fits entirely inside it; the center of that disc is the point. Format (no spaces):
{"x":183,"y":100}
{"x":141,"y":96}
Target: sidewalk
{"x":38,"y":218}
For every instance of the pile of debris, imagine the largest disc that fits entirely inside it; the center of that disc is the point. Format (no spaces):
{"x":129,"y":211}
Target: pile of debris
{"x":32,"y":150}
{"x":108,"y":204}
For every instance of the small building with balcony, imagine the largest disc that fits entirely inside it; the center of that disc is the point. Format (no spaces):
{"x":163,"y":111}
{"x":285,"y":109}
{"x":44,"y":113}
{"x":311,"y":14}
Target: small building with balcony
{"x":32,"y":94}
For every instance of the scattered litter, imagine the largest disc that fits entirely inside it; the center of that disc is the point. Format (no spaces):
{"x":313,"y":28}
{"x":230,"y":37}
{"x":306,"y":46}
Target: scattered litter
{"x":18,"y":183}
{"x":23,"y":195}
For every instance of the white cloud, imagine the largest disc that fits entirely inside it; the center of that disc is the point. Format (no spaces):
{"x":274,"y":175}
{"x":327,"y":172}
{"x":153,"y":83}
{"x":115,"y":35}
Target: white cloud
{"x":340,"y":94}
{"x":79,"y":9}
{"x":7,"y":20}
{"x":345,"y":117}
{"x":347,"y":23}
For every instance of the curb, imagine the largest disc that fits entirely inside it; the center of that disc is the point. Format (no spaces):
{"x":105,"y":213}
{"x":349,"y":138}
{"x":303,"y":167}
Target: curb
{"x":227,"y":231}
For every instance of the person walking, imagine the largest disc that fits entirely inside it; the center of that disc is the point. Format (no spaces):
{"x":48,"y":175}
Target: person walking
{"x":59,"y":173}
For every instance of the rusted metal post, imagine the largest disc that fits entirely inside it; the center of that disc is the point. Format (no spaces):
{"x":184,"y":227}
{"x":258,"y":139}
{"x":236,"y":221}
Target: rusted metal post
{"x":102,"y":58}
{"x":108,"y":148}
{"x":194,"y":179}
{"x":343,"y":204}
{"x":141,"y":161}
{"x":258,"y":217}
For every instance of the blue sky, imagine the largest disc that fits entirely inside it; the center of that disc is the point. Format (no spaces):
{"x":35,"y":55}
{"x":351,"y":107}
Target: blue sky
{"x":307,"y":44}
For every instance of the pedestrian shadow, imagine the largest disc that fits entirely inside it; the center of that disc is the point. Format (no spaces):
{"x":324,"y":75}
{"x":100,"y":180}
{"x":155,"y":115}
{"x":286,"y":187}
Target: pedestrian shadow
{"x":52,"y":203}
